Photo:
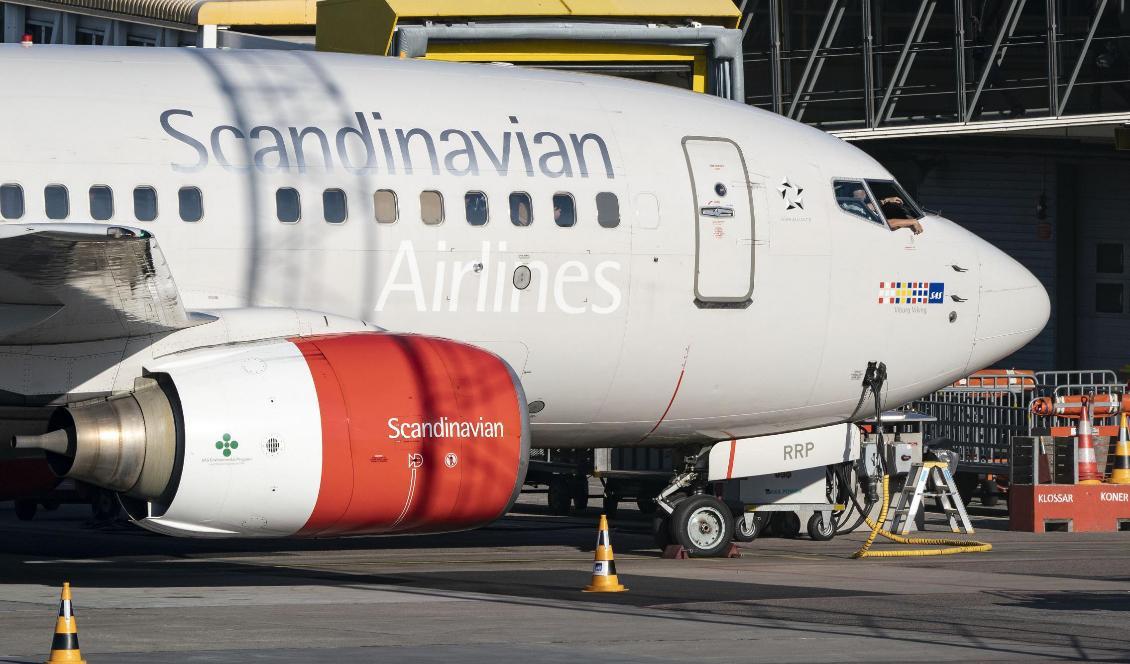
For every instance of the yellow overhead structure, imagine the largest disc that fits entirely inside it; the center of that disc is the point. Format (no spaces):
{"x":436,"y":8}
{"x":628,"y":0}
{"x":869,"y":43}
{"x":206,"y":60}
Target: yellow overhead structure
{"x":655,"y":39}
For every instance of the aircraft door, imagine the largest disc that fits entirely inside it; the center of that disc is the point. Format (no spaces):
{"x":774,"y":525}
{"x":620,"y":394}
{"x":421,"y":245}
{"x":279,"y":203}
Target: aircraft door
{"x":723,"y":221}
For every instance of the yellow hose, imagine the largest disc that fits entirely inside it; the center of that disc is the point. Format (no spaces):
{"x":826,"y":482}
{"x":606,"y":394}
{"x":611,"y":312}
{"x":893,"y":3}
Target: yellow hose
{"x":953,"y":545}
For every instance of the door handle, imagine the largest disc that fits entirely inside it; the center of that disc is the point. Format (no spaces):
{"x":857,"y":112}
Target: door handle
{"x":717,"y":211}
{"x":958,"y":268}
{"x":957,"y":298}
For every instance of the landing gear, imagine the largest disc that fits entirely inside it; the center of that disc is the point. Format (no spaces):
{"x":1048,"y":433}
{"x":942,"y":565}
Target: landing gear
{"x":25,"y":509}
{"x":703,"y":525}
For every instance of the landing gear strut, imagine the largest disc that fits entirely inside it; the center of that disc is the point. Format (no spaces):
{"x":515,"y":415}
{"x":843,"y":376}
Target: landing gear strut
{"x":689,"y":515}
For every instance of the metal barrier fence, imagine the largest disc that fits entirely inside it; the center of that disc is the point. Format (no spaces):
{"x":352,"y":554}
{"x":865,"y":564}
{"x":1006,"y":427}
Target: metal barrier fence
{"x":978,"y":416}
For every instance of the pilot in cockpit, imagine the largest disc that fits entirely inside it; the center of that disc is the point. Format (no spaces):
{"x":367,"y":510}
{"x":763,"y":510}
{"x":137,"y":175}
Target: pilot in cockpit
{"x":891,"y":209}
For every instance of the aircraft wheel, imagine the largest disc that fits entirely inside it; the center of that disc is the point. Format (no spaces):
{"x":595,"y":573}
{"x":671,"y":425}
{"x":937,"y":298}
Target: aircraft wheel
{"x":818,"y":530}
{"x":742,"y":533}
{"x":703,"y":525}
{"x":581,"y":493}
{"x":25,"y":509}
{"x":611,"y":504}
{"x":51,"y":505}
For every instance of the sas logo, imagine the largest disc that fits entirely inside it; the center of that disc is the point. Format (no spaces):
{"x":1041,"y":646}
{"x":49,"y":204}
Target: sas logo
{"x":911,"y":292}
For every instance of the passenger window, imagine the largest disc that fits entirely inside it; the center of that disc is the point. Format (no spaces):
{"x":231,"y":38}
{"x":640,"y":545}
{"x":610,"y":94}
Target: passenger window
{"x":476,"y":204}
{"x":384,"y":206}
{"x":101,"y":202}
{"x":56,"y":201}
{"x":607,"y":209}
{"x":564,"y":210}
{"x":334,"y":206}
{"x":144,"y":203}
{"x":853,"y":198}
{"x":11,"y":201}
{"x":431,"y":207}
{"x":521,"y":211}
{"x":191,"y":203}
{"x":288,"y":205}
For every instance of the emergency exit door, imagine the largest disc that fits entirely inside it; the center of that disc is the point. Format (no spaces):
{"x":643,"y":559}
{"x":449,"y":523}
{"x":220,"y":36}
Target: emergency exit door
{"x":723,"y":221}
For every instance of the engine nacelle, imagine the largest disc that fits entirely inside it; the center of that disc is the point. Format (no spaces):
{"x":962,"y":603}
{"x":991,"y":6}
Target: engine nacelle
{"x":317,"y":436}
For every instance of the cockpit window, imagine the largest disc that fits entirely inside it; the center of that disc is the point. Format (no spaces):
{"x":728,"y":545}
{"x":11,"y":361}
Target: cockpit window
{"x":879,"y":201}
{"x":852,"y":197}
{"x":893,"y":201}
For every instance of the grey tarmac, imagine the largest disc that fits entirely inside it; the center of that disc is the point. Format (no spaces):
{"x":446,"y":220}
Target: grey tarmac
{"x":511,"y":592}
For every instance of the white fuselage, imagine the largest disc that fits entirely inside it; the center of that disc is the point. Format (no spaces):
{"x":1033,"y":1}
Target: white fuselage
{"x":638,"y":333}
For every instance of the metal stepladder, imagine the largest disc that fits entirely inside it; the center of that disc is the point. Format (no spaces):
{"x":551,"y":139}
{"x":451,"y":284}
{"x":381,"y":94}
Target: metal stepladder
{"x":906,"y":503}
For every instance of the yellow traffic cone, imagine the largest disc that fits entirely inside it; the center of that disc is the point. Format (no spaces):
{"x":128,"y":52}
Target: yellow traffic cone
{"x":604,"y":566}
{"x":1121,"y":472}
{"x":64,"y":647}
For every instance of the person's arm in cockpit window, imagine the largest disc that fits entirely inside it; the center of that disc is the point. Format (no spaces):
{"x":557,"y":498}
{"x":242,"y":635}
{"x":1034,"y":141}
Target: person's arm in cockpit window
{"x":897,"y":217}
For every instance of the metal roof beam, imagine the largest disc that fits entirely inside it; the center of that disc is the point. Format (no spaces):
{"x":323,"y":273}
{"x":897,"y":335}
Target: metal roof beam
{"x":725,"y":43}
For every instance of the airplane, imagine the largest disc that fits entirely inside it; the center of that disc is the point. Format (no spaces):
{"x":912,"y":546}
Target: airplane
{"x":284,"y":293}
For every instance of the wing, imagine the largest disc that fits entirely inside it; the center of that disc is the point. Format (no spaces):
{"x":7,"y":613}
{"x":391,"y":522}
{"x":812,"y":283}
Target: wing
{"x":66,"y":283}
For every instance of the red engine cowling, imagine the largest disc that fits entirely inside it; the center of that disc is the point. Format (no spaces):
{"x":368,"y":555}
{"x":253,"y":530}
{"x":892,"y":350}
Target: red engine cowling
{"x":317,"y":436}
{"x":418,"y":434}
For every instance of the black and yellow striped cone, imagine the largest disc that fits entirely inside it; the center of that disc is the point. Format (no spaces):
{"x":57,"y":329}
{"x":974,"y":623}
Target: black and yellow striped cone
{"x":1121,"y":472}
{"x":64,"y":647}
{"x":604,"y":566}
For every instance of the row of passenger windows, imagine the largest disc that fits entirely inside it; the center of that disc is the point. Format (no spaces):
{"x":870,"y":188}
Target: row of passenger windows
{"x":476,"y":208}
{"x":100,"y":198}
{"x":335,"y":207}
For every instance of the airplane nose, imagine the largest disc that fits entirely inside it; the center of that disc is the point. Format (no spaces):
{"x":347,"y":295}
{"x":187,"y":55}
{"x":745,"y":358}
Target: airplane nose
{"x":1014,"y":308}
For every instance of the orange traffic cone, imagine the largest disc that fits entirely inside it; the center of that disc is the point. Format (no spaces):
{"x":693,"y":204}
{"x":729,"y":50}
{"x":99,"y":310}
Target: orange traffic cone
{"x":604,"y":566}
{"x":1121,"y":472}
{"x":1088,"y":464}
{"x":64,"y":647}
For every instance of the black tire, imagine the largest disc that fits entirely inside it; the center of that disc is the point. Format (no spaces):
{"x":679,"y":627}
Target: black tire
{"x":661,"y":531}
{"x":25,"y":509}
{"x":51,"y":505}
{"x":581,"y":493}
{"x":989,"y":495}
{"x":611,"y":504}
{"x":818,"y":530}
{"x":560,"y":495}
{"x":786,"y":524}
{"x":966,"y":486}
{"x":703,"y":525}
{"x":757,"y":526}
{"x":647,"y":506}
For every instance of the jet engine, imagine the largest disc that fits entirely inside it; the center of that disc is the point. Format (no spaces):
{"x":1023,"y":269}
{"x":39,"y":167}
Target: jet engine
{"x":315,"y":436}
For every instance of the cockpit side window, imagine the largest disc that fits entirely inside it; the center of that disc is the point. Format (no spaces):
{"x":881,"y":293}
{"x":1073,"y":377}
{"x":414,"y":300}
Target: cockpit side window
{"x":893,"y":201}
{"x":898,"y":209}
{"x":852,"y":197}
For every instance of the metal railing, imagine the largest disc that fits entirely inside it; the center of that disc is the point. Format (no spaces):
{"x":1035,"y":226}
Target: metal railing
{"x":978,"y":416}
